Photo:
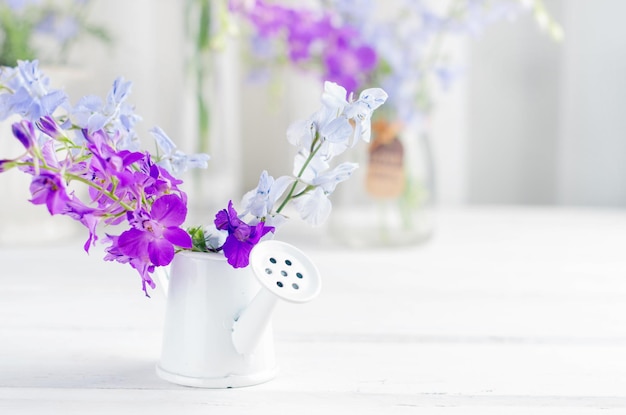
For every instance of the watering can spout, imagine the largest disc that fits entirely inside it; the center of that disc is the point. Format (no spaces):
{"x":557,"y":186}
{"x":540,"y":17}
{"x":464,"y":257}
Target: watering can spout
{"x":250,"y":325}
{"x":284,"y":272}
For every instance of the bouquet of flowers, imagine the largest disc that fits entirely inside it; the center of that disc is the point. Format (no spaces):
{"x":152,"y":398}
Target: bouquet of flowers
{"x":93,"y":144}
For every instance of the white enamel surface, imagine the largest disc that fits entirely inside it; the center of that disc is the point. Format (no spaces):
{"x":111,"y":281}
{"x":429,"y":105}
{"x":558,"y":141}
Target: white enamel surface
{"x":252,"y":323}
{"x":506,"y":311}
{"x":285,"y":271}
{"x":205,"y":296}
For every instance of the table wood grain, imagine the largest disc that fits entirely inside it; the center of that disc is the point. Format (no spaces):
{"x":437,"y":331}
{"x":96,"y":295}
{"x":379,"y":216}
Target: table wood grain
{"x":506,"y":310}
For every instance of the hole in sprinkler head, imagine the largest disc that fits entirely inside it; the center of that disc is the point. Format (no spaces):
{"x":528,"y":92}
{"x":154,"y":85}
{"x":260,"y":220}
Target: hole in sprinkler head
{"x":273,"y":260}
{"x":268,"y":271}
{"x":280,"y":284}
{"x":295,"y":286}
{"x":288,"y":262}
{"x":299,"y":275}
{"x":283,"y":273}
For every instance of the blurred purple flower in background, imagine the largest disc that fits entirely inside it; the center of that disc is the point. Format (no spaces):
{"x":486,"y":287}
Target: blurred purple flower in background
{"x":307,"y":33}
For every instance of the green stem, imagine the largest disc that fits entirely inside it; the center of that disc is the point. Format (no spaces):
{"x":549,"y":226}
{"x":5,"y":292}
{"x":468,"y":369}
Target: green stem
{"x":69,"y":177}
{"x":290,"y":195}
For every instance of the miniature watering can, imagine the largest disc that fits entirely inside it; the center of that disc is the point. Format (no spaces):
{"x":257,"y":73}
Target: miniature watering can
{"x":217,"y":331}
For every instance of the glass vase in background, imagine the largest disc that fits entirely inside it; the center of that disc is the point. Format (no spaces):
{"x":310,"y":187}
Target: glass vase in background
{"x":211,"y":108}
{"x":389,"y":200}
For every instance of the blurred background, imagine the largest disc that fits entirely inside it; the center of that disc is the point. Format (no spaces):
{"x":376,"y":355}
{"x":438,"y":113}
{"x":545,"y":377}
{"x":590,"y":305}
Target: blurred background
{"x":527,"y":120}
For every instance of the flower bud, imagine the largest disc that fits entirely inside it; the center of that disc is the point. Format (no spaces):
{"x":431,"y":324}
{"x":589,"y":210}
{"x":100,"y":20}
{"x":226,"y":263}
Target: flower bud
{"x":6,"y":165}
{"x":48,"y":126}
{"x":24,"y":132}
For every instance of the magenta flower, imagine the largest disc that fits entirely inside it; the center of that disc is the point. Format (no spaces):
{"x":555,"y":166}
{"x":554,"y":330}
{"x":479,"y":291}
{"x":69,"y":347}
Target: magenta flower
{"x":107,"y":160}
{"x":145,"y":269}
{"x":155,"y":234}
{"x":48,"y":188}
{"x":87,"y":216}
{"x":241,"y":236}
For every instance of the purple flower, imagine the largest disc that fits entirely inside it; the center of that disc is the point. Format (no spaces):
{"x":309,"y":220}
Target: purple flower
{"x":87,"y":216}
{"x":345,"y":65}
{"x":241,"y":236}
{"x":312,"y":37}
{"x":24,"y":132}
{"x":6,"y":165}
{"x":48,"y":189}
{"x":154,"y":235}
{"x":48,"y":126}
{"x":144,"y":268}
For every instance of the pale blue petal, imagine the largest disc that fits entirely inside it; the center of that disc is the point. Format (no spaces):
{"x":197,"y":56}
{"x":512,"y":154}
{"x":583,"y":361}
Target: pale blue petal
{"x":334,"y":96}
{"x":301,"y":133}
{"x":279,"y":187}
{"x":315,"y":167}
{"x":338,"y":131}
{"x":314,"y":207}
{"x":373,"y":97}
{"x":96,"y":122}
{"x":328,"y":180}
{"x":165,"y":144}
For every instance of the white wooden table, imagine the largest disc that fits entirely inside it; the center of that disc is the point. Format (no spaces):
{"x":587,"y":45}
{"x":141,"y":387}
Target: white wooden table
{"x":506,"y":310}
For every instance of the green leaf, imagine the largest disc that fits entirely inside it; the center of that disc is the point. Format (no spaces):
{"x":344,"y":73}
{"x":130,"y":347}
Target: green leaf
{"x":198,"y":240}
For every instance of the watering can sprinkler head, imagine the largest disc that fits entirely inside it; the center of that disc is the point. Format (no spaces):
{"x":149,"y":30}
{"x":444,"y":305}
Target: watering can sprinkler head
{"x":284,"y":272}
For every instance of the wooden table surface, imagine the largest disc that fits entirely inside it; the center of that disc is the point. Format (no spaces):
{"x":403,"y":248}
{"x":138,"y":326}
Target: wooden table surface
{"x":506,"y":310}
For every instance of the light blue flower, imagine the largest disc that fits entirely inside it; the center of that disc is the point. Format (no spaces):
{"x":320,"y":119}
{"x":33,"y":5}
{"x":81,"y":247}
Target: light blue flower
{"x":173,"y":160}
{"x":260,"y":202}
{"x":335,"y":136}
{"x":317,"y":172}
{"x":314,"y":207}
{"x":315,"y":166}
{"x":333,"y":123}
{"x":334,"y":97}
{"x":329,"y":180}
{"x":114,"y":115}
{"x":333,"y":133}
{"x":301,"y":133}
{"x":361,"y":112}
{"x":32,"y":96}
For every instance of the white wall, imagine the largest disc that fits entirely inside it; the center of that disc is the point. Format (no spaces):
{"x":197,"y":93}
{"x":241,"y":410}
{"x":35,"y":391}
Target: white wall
{"x":513,"y":96}
{"x":546,"y":120}
{"x":592,"y":140}
{"x":533,"y":122}
{"x":147,"y":49}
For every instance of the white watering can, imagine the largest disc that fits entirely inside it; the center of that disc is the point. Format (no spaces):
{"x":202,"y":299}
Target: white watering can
{"x":217,"y":331}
